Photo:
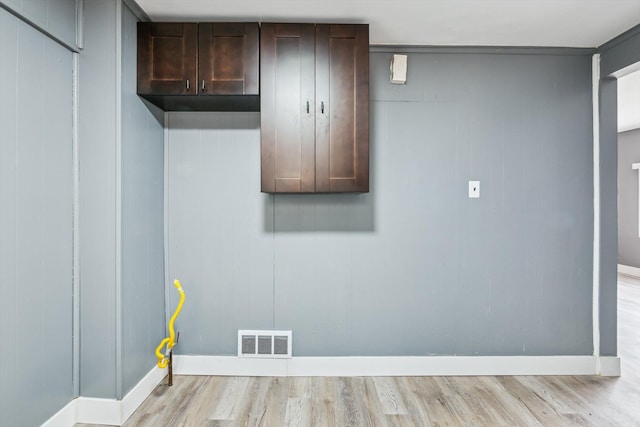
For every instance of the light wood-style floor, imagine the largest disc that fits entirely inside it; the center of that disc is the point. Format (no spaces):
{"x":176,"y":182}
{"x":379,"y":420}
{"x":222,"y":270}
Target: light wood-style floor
{"x":411,"y":401}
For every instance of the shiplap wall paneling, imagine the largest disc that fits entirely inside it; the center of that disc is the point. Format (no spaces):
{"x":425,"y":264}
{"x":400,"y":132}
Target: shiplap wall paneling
{"x":55,"y":17}
{"x":415,"y":267}
{"x":143,"y":314}
{"x":97,"y":156}
{"x":121,"y":209}
{"x":218,"y":222}
{"x":36,"y":224}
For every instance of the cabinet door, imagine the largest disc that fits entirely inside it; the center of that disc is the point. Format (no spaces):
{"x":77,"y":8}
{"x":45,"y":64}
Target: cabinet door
{"x":342,"y":108}
{"x":167,"y":58}
{"x":287,"y":106}
{"x":228,"y":58}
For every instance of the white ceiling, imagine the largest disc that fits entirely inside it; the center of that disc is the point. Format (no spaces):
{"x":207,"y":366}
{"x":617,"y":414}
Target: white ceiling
{"x":565,"y":23}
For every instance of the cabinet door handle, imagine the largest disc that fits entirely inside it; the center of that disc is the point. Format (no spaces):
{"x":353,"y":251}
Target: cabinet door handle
{"x":307,"y":107}
{"x":187,"y":84}
{"x":322,"y":107}
{"x":203,"y":86}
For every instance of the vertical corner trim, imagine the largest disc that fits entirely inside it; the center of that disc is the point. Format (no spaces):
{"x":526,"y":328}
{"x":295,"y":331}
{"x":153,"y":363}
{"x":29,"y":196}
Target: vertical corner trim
{"x":636,"y":166}
{"x":75,"y":285}
{"x":167,"y":237}
{"x":119,"y":353}
{"x":595,"y":66}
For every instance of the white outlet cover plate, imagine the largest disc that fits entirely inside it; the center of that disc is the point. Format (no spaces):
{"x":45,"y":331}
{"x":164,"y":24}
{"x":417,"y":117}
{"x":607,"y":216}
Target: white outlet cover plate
{"x":474,"y":189}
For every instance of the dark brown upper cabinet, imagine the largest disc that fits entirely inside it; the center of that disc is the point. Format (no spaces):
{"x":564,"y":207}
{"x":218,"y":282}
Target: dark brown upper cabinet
{"x":167,"y":58}
{"x":314,"y":108}
{"x":228,"y":60}
{"x":199,"y":67}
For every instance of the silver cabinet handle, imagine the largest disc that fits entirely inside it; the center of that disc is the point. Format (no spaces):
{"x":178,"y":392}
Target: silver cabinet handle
{"x":203,"y":85}
{"x":307,"y":107}
{"x":187,"y":84}
{"x":322,"y":107}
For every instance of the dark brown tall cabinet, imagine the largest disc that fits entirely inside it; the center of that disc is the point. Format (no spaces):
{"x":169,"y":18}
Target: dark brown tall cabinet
{"x":205,"y":66}
{"x":314,"y":108}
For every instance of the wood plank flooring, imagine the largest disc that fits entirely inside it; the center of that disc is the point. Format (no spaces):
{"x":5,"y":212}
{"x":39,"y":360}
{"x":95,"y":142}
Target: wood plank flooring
{"x":411,"y":401}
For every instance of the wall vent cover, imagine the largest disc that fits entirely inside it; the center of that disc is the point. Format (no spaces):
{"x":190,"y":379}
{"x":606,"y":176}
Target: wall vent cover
{"x":268,"y":344}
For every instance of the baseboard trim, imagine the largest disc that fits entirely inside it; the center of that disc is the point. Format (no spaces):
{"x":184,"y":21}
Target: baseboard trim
{"x":397,"y":366}
{"x":90,"y":410}
{"x":610,"y":366}
{"x":65,"y":417}
{"x":627,"y":270}
{"x":116,"y":412}
{"x":141,"y":391}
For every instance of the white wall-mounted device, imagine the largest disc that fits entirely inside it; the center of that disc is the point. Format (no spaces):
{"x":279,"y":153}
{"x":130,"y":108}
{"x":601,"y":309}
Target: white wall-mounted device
{"x":474,"y":189}
{"x":398,"y":69}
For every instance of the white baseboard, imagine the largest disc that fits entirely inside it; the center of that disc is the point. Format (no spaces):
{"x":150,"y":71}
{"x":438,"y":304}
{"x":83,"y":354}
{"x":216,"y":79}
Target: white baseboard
{"x":629,"y":271}
{"x":140,"y":392}
{"x":65,"y":417}
{"x":610,"y":366}
{"x":397,"y":366}
{"x":89,"y":410}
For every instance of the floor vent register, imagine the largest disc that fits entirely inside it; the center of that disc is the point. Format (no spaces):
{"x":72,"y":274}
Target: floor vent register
{"x":266,"y":344}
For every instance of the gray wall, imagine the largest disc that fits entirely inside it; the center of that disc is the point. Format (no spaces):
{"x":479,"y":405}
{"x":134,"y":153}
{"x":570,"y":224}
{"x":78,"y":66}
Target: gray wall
{"x":97,"y":154}
{"x":36,"y":224}
{"x":415,"y":267}
{"x":54,"y":17}
{"x":143,"y":320}
{"x":628,"y":240}
{"x":218,"y":243}
{"x":621,"y":53}
{"x":608,"y":161}
{"x":121,"y":210}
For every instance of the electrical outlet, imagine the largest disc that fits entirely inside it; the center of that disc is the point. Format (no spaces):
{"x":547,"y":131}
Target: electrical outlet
{"x":474,"y":189}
